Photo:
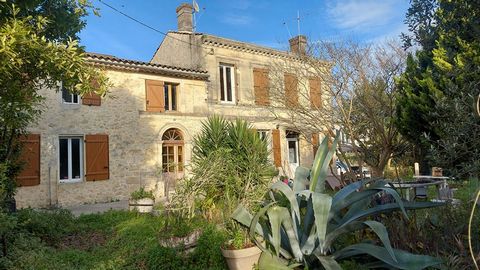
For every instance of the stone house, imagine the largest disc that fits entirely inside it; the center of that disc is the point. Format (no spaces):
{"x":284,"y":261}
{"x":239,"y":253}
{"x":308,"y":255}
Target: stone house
{"x":91,"y":149}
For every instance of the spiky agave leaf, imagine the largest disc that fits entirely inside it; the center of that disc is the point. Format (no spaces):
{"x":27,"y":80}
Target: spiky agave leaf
{"x":405,"y":260}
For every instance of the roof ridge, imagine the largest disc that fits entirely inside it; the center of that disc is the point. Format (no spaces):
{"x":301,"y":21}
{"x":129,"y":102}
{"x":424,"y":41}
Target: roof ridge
{"x":140,"y":66}
{"x":138,"y":62}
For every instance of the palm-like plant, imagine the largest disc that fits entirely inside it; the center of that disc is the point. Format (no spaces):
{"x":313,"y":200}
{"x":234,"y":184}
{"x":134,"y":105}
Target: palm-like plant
{"x":229,"y":166}
{"x":301,"y":224}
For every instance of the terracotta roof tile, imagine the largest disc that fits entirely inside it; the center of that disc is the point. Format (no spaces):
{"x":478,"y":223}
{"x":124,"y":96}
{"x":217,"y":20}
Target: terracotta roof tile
{"x":140,"y":66}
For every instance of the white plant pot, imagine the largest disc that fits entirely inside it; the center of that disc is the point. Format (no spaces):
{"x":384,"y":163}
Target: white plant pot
{"x":240,"y":259}
{"x":144,"y":205}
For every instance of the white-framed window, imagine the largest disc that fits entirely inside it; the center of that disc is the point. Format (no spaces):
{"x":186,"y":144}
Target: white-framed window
{"x":68,"y":97}
{"x":70,"y":157}
{"x":170,"y":96}
{"x":293,"y":151}
{"x":227,"y":83}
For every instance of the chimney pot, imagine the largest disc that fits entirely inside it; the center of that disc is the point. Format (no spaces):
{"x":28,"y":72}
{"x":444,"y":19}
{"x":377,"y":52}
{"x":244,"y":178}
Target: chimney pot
{"x":298,"y":45}
{"x":184,"y":17}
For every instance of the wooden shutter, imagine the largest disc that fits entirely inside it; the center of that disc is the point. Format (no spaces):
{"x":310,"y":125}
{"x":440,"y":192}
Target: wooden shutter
{"x":276,"y":147}
{"x":291,"y":90}
{"x":96,"y":157}
{"x":92,"y":99}
{"x":155,"y":96}
{"x":30,"y":157}
{"x":260,"y":86}
{"x":315,"y":92}
{"x":315,"y":140}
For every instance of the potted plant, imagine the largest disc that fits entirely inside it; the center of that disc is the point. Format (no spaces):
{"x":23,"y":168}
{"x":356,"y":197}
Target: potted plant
{"x":141,"y":200}
{"x":240,"y":251}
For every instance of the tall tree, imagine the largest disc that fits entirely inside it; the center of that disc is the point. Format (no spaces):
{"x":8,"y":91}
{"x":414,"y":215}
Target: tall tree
{"x":440,"y":87}
{"x":29,"y":62}
{"x":417,"y":85}
{"x":66,"y":18}
{"x":358,"y":96}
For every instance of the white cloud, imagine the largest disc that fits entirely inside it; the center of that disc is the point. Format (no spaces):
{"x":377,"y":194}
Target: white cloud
{"x":234,"y":19}
{"x":360,"y":14}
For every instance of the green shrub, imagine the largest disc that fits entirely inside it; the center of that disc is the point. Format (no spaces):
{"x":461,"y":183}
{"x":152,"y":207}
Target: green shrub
{"x":162,"y":258}
{"x":50,"y":226}
{"x":177,"y":226}
{"x":207,"y":254}
{"x":142,"y":194}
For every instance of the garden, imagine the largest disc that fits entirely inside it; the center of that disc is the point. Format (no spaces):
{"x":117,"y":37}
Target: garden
{"x":305,"y":226}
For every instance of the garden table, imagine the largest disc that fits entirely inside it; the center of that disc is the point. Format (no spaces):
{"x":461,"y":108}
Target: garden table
{"x":419,"y":185}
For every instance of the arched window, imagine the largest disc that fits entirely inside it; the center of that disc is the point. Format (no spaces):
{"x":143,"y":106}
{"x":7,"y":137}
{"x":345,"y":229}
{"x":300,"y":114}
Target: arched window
{"x":172,"y":151}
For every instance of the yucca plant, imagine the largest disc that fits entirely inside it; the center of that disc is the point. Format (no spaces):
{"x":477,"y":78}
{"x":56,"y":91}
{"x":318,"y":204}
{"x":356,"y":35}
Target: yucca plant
{"x":300,"y":225}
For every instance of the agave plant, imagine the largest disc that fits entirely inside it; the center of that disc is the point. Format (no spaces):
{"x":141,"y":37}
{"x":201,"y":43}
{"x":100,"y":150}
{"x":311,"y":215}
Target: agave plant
{"x":300,"y":225}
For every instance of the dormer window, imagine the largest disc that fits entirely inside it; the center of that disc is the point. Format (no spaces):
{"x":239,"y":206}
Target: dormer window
{"x":227,"y":83}
{"x":68,"y":97}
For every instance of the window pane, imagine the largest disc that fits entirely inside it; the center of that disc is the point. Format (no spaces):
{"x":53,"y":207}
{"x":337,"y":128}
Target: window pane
{"x":63,"y":158}
{"x":167,"y":104}
{"x":174,"y":97}
{"x":66,"y":96}
{"x":75,"y":98}
{"x":222,"y":87}
{"x":229,"y":83}
{"x":76,"y":158}
{"x":292,"y":152}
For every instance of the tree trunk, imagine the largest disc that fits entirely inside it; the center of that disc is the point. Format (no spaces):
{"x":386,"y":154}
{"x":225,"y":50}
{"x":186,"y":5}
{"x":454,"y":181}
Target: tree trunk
{"x":377,"y":171}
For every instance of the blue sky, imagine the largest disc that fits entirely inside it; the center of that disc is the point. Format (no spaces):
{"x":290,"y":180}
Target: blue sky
{"x":265,"y":22}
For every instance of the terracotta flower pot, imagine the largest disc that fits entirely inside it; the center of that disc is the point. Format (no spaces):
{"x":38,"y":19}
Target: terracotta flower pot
{"x":144,"y":205}
{"x":242,"y":259}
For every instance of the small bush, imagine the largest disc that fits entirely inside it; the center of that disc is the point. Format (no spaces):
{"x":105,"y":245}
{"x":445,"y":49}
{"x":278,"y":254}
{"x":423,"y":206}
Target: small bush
{"x":142,"y":194}
{"x":207,"y":254}
{"x":163,"y":258}
{"x":50,"y":226}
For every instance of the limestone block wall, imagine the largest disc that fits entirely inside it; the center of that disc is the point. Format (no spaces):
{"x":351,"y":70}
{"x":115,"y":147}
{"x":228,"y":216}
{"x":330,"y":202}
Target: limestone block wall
{"x":134,"y":140}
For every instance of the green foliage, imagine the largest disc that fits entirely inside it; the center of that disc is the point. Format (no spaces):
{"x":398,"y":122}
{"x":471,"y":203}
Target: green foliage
{"x":65,"y":17}
{"x":207,"y":254}
{"x":141,"y":193}
{"x":305,"y":227}
{"x":229,"y":165}
{"x":29,"y":61}
{"x":439,"y":88}
{"x":437,"y":232}
{"x":45,"y":225}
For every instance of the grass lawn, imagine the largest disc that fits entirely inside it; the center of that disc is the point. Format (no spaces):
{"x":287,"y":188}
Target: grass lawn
{"x":112,"y":240}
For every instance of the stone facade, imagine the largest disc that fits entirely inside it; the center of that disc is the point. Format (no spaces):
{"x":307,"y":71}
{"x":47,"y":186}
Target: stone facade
{"x":135,"y":134}
{"x":134,"y":139}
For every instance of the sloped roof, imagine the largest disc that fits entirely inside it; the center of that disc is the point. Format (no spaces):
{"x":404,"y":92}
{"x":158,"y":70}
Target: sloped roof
{"x":111,"y":61}
{"x":217,"y":41}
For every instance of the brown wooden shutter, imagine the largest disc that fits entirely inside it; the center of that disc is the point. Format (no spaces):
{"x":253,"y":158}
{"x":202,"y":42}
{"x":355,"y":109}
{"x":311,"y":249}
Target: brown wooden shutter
{"x":92,"y":99}
{"x":291,"y":90}
{"x":276,"y":147}
{"x":30,"y":158}
{"x":260,"y":86}
{"x":315,"y":140}
{"x":96,"y":157}
{"x":315,"y":92}
{"x":155,"y":96}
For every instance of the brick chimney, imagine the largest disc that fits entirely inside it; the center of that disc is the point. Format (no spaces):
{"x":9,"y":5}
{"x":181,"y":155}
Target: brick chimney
{"x":184,"y":17}
{"x":298,"y":45}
